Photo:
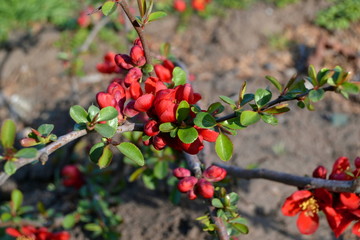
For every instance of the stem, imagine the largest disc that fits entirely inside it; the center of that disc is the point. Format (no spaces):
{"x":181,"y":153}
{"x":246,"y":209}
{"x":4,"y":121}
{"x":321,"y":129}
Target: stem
{"x":293,"y":180}
{"x":220,"y":227}
{"x":43,"y":154}
{"x":139,"y":29}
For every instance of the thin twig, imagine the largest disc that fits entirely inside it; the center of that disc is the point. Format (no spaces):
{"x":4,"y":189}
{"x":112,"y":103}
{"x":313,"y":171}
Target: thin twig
{"x":43,"y":154}
{"x":220,"y":227}
{"x":194,"y":164}
{"x":293,"y":180}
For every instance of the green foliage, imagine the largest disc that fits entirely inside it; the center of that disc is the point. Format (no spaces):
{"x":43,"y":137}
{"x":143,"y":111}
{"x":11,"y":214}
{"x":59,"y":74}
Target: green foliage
{"x":282,"y":3}
{"x":339,"y":15}
{"x":16,"y":14}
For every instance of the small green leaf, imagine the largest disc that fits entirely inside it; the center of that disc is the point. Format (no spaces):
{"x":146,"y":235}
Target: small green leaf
{"x":106,"y":157}
{"x":233,"y":123}
{"x":16,"y":200}
{"x":183,"y":110}
{"x":149,"y":181}
{"x":161,"y":169}
{"x":93,"y":227}
{"x":6,"y":216}
{"x":108,"y":7}
{"x":215,"y":108}
{"x":188,"y":134}
{"x":312,"y":75}
{"x":278,"y":109}
{"x":46,"y":129}
{"x":131,"y":151}
{"x":69,"y":221}
{"x":167,"y":127}
{"x":173,"y":133}
{"x":274,"y":82}
{"x":247,"y":98}
{"x":93,"y":110}
{"x":179,"y":76}
{"x":270,"y":119}
{"x":300,"y":104}
{"x":224,"y":147}
{"x":350,"y":88}
{"x":227,"y":100}
{"x":26,"y":153}
{"x":316,"y":95}
{"x":147,"y":68}
{"x":9,"y":168}
{"x":156,"y":16}
{"x":234,"y":198}
{"x":262,"y":97}
{"x":107,"y":113}
{"x":204,"y":120}
{"x":241,"y":228}
{"x":8,"y":132}
{"x":136,"y":174}
{"x":249,"y":117}
{"x":217,"y":203}
{"x":96,"y":151}
{"x":78,"y":114}
{"x":105,"y":130}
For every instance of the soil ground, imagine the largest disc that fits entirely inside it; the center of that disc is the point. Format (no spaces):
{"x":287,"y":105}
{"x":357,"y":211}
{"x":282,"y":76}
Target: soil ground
{"x":222,"y":53}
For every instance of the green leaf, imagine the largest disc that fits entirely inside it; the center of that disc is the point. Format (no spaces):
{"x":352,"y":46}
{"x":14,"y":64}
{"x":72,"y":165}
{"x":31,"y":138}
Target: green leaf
{"x":96,"y":152}
{"x":241,"y":228}
{"x":107,"y":113}
{"x":69,"y":221}
{"x":46,"y":129}
{"x":224,"y":147}
{"x":270,"y":119}
{"x":278,"y":109}
{"x":167,"y":127}
{"x":183,"y":110}
{"x":131,"y":151}
{"x":234,"y":198}
{"x":106,"y":157}
{"x":161,"y":169}
{"x":78,"y":114}
{"x":6,"y":216}
{"x":204,"y":120}
{"x":105,"y":130}
{"x":8,"y":133}
{"x":147,"y":68}
{"x":247,"y":98}
{"x":156,"y":16}
{"x":93,"y":110}
{"x":136,"y":174}
{"x":9,"y":168}
{"x":113,"y":123}
{"x":249,"y":117}
{"x":26,"y":153}
{"x":188,"y":134}
{"x":215,"y":108}
{"x":179,"y":76}
{"x":93,"y":227}
{"x":312,"y":75}
{"x":233,"y":123}
{"x":350,"y":88}
{"x":108,"y":7}
{"x":227,"y":100}
{"x":217,"y":203}
{"x":262,"y":97}
{"x":316,"y":95}
{"x":149,"y":181}
{"x":274,"y":82}
{"x":300,"y":104}
{"x":16,"y":200}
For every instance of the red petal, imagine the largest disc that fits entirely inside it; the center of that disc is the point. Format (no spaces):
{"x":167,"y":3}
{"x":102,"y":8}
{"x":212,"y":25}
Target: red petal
{"x":205,"y":188}
{"x":332,"y":217}
{"x":350,"y":200}
{"x":341,"y":164}
{"x":144,"y":103}
{"x":151,"y":128}
{"x":133,"y":75}
{"x":181,"y":172}
{"x":307,"y":224}
{"x":214,"y":173}
{"x":137,"y":55}
{"x":164,"y":74}
{"x":13,"y":232}
{"x":186,"y":184}
{"x":320,"y":172}
{"x":208,"y":135}
{"x":123,"y":61}
{"x":356,"y":229}
{"x":291,"y":205}
{"x":105,"y":100}
{"x":135,"y":90}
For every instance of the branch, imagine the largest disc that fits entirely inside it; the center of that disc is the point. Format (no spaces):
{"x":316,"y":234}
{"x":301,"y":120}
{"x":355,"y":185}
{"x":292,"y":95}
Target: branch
{"x":220,"y":227}
{"x":293,"y":180}
{"x":278,"y":100}
{"x":90,"y":38}
{"x":139,"y":29}
{"x":43,"y":154}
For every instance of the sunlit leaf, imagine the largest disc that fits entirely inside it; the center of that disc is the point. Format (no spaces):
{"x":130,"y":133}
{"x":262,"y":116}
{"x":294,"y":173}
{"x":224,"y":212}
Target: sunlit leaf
{"x":108,"y":7}
{"x":8,"y":133}
{"x":224,"y":147}
{"x":131,"y":151}
{"x":188,"y":134}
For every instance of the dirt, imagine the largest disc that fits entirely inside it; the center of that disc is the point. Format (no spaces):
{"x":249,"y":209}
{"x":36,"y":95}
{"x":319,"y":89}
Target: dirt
{"x":222,"y":53}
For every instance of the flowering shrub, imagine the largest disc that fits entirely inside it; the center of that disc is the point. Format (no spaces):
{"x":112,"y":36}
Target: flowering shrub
{"x":37,"y":233}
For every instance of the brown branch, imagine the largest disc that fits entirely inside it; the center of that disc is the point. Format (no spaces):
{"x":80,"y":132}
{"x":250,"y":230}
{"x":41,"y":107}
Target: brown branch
{"x":43,"y":154}
{"x":194,"y":164}
{"x":293,"y":180}
{"x":139,"y":29}
{"x":220,"y":227}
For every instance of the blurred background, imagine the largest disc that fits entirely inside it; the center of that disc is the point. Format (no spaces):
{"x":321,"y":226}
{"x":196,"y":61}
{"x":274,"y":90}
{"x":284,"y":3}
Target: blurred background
{"x":49,"y":51}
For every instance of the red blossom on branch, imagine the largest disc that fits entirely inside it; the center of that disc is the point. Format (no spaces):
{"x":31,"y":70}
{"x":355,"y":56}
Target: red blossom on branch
{"x":37,"y":233}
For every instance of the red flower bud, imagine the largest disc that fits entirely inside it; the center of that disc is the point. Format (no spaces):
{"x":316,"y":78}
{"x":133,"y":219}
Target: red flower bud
{"x":28,"y":142}
{"x":133,"y":75}
{"x":214,"y":173}
{"x":124,"y":61}
{"x":191,"y":194}
{"x":158,"y":142}
{"x":151,"y":128}
{"x":105,"y":100}
{"x":180,"y":5}
{"x":129,"y":110}
{"x":320,"y":172}
{"x":181,"y":172}
{"x":186,"y":184}
{"x":357,"y":162}
{"x":164,"y":74}
{"x":135,"y":90}
{"x":137,"y":55}
{"x":72,"y":176}
{"x":205,"y":188}
{"x":144,"y":102}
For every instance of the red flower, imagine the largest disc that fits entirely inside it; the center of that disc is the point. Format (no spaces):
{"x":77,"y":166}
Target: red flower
{"x":72,"y":176}
{"x":181,"y":172}
{"x":37,"y":233}
{"x":180,"y":5}
{"x":136,"y":58}
{"x":164,"y":70}
{"x":199,"y":5}
{"x":108,"y":66}
{"x":214,"y":173}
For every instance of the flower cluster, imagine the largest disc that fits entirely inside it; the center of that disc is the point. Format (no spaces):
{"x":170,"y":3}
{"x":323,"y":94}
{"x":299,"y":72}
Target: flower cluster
{"x":158,"y":102}
{"x":42,"y":233}
{"x":198,"y":5}
{"x":340,"y":209}
{"x":193,"y":186}
{"x":72,"y":177}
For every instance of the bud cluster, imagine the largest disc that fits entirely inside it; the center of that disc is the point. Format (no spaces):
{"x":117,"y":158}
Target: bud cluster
{"x":203,"y":186}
